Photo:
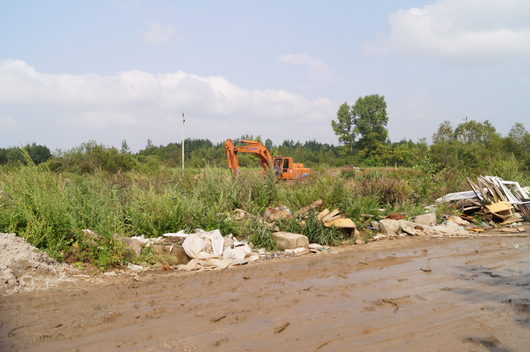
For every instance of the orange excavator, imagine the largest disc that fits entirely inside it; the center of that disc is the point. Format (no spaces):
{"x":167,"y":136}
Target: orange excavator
{"x":284,"y":167}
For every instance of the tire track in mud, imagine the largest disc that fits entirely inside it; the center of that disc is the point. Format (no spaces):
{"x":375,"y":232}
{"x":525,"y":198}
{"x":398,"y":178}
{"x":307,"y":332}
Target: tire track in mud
{"x":372,"y":298}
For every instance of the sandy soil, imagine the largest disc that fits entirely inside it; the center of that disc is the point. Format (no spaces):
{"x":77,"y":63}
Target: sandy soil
{"x":401,"y":295}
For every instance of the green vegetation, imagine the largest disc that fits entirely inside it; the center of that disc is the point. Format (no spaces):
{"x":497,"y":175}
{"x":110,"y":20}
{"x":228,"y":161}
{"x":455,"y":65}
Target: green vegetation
{"x":49,"y":199}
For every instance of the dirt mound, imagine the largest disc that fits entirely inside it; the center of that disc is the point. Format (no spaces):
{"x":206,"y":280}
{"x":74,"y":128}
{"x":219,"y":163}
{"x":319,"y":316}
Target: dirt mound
{"x":24,"y":268}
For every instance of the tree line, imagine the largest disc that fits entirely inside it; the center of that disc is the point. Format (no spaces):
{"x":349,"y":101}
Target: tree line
{"x":363,"y":141}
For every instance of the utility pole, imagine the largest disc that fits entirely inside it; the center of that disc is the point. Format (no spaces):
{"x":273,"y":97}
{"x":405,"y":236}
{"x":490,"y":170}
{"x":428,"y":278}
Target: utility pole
{"x":183,"y":138}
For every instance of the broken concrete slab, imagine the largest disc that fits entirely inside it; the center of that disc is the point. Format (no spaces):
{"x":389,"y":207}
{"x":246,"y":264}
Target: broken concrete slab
{"x":459,"y":220}
{"x":315,"y":246}
{"x":408,"y":227}
{"x":389,"y":227}
{"x":297,"y":251}
{"x":288,"y":240}
{"x":428,"y":219}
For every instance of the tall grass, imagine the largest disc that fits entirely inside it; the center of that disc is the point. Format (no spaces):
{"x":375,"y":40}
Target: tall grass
{"x":50,"y":209}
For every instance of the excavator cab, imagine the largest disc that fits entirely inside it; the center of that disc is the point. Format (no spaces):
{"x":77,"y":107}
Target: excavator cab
{"x":286,"y":169}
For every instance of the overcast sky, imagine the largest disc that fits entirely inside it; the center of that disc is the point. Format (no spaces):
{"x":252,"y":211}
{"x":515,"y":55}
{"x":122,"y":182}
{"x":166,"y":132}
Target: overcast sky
{"x":72,"y":71}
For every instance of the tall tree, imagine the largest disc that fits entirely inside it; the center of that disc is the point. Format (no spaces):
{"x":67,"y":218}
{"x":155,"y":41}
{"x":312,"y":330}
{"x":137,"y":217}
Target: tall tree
{"x":444,"y":134}
{"x":125,"y":147}
{"x":370,"y":119}
{"x":518,"y":133}
{"x":472,"y":131}
{"x":344,"y":127}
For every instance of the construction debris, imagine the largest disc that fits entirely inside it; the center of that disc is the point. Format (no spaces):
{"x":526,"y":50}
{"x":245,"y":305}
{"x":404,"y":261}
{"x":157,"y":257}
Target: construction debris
{"x":287,"y":240}
{"x":452,"y":197}
{"x":297,"y":251}
{"x":389,"y":227}
{"x":277,"y":213}
{"x":210,"y":250}
{"x":25,"y":268}
{"x":493,"y":190}
{"x":425,"y":219}
{"x":305,"y":210}
{"x":492,"y":198}
{"x":458,"y":220}
{"x":334,"y":219}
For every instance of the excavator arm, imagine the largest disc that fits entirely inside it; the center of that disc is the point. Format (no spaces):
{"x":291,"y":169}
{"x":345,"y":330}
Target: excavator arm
{"x":244,"y":146}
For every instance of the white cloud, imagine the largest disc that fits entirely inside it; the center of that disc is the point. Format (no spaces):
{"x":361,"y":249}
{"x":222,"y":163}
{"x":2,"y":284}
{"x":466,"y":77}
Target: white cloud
{"x":316,"y":66}
{"x":146,"y":105}
{"x":458,"y":30}
{"x":158,"y":34}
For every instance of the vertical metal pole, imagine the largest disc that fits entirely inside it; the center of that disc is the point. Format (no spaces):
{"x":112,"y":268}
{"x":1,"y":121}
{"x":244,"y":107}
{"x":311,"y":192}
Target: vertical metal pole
{"x":183,"y":138}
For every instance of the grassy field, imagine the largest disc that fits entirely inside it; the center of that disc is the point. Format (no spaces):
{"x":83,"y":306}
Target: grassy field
{"x":50,"y":209}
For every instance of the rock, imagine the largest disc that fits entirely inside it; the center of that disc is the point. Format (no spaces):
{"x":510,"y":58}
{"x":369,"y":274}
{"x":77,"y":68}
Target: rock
{"x":425,"y":219}
{"x":136,"y":268}
{"x":315,"y":246}
{"x":408,"y":227}
{"x":91,"y":235}
{"x":375,"y":225}
{"x":450,"y":228}
{"x":379,"y":236}
{"x":297,"y":251}
{"x":287,"y":240}
{"x":169,"y":254}
{"x":459,"y":220}
{"x":359,"y":241}
{"x":132,"y":245}
{"x":277,"y":213}
{"x":239,"y":214}
{"x":389,"y":227}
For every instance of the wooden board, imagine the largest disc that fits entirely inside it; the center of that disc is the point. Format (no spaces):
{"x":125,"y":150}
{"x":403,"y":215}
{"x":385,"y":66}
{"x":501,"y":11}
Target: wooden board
{"x":499,"y":207}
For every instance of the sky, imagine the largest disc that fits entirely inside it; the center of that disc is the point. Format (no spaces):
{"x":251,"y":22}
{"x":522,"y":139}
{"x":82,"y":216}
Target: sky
{"x":109,"y":70}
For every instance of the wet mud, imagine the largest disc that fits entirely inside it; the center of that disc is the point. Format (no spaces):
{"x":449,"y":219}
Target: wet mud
{"x":402,"y":295}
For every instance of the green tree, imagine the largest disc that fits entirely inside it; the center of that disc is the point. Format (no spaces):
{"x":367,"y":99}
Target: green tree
{"x":125,"y":147}
{"x":518,"y":133}
{"x":344,"y":127}
{"x":269,"y":144}
{"x":472,"y":131}
{"x":445,"y":133}
{"x":370,"y":119}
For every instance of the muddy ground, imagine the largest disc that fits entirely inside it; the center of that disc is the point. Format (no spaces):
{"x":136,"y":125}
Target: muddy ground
{"x":401,"y":295}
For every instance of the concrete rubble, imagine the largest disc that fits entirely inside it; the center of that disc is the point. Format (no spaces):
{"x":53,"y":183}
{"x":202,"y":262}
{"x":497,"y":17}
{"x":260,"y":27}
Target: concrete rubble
{"x":287,"y":240}
{"x":25,"y":268}
{"x":453,"y":226}
{"x":428,"y":219}
{"x":210,"y":250}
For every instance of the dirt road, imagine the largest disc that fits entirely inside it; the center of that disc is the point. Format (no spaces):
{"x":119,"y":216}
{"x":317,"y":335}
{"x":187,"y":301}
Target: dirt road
{"x":402,"y":295}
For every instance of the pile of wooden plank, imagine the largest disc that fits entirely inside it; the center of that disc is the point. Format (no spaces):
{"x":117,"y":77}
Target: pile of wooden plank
{"x":334,"y":219}
{"x":501,"y":198}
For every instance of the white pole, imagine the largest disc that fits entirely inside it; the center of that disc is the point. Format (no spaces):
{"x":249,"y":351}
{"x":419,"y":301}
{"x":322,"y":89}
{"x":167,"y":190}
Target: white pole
{"x":183,"y":138}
